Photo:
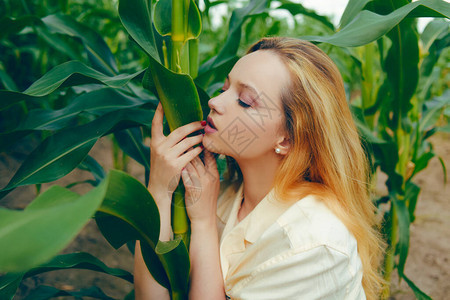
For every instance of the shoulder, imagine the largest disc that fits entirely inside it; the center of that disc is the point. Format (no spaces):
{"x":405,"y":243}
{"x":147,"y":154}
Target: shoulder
{"x":309,"y":223}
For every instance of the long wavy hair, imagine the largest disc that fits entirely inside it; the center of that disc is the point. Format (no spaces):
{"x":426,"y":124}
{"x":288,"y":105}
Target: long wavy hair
{"x":326,"y":157}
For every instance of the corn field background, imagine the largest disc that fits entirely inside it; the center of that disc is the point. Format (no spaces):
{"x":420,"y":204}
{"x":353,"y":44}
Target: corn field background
{"x":93,"y":75}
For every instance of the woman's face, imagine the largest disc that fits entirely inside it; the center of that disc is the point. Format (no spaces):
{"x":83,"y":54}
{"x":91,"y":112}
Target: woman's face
{"x":248,"y":114}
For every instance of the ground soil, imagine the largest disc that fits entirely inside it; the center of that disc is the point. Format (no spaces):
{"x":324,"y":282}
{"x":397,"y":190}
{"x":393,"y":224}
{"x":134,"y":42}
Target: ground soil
{"x":428,"y":264}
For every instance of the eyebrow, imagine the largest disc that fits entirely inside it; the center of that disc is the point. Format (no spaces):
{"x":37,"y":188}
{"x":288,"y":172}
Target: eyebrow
{"x":244,"y":85}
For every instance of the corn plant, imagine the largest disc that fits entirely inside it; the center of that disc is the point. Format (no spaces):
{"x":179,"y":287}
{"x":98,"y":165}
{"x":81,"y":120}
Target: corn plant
{"x":101,"y":100}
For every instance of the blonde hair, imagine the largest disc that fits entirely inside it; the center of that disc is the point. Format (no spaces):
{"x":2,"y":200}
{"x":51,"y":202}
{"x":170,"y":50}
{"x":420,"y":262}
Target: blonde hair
{"x":326,"y":157}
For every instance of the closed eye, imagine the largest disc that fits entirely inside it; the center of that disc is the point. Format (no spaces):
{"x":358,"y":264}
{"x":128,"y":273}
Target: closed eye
{"x":241,"y":103}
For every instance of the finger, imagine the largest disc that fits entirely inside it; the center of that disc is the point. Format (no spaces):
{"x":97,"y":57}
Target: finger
{"x":186,"y":177}
{"x":157,"y":122}
{"x":189,"y":155}
{"x":211,"y":164}
{"x":185,"y":145}
{"x":198,"y":165}
{"x":182,"y":131}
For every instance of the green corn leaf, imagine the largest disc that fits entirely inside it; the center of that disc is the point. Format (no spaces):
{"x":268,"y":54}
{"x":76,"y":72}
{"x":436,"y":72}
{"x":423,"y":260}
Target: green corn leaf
{"x":60,"y":153}
{"x":420,"y":295}
{"x":135,"y":16}
{"x":432,"y":110}
{"x":91,"y":165}
{"x":7,"y":81}
{"x":162,"y":19}
{"x":13,"y":26}
{"x":181,"y":105}
{"x":229,"y":50}
{"x":67,"y":74}
{"x":59,"y":44}
{"x":98,"y":51}
{"x":411,"y":194}
{"x":351,"y":10}
{"x":81,"y":260}
{"x":98,"y":102}
{"x":9,"y":283}
{"x":432,"y":31}
{"x":208,"y":78}
{"x":137,"y":217}
{"x":131,"y":142}
{"x":33,"y":236}
{"x":64,"y":74}
{"x":297,"y":8}
{"x":368,"y":26}
{"x":403,"y":228}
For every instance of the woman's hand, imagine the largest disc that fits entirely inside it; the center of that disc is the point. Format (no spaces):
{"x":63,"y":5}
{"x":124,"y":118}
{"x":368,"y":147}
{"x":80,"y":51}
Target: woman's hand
{"x":170,"y":154}
{"x":201,"y":182}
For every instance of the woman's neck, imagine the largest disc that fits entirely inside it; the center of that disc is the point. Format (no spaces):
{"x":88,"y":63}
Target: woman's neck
{"x":258,"y":177}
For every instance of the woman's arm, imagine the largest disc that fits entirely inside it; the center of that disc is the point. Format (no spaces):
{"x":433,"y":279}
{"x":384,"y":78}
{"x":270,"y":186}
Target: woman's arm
{"x":206,"y":274}
{"x":145,"y":286}
{"x":202,"y":184}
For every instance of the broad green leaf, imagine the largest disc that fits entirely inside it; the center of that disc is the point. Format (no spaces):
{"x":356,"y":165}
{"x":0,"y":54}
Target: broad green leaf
{"x":411,"y":194}
{"x":60,"y":153}
{"x":98,"y":102}
{"x":420,"y":295}
{"x":33,"y":236}
{"x":162,"y":19}
{"x":12,"y":26}
{"x":175,"y":259}
{"x":432,"y":32}
{"x":297,"y":8}
{"x":351,"y":10}
{"x":7,"y":81}
{"x":131,"y":142}
{"x":81,"y":260}
{"x":181,"y":105}
{"x":403,"y":231}
{"x":67,"y":74}
{"x":129,"y":212}
{"x":229,"y":50}
{"x":432,"y":110}
{"x":428,"y":74}
{"x":368,"y":26}
{"x":9,"y":283}
{"x":207,"y":79}
{"x":136,"y":18}
{"x":59,"y":44}
{"x":98,"y":51}
{"x":91,"y":165}
{"x":402,"y":67}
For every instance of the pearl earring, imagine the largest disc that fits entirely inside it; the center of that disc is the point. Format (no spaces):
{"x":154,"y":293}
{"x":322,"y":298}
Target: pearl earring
{"x":277,"y":150}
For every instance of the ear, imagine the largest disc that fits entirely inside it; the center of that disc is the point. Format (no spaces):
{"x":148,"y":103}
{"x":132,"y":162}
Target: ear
{"x":284,"y":145}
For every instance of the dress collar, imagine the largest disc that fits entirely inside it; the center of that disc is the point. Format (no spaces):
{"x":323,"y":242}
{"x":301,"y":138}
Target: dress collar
{"x":257,"y":221}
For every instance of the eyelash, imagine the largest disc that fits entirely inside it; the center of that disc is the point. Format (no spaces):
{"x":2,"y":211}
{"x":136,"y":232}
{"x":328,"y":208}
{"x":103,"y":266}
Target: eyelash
{"x":241,"y":103}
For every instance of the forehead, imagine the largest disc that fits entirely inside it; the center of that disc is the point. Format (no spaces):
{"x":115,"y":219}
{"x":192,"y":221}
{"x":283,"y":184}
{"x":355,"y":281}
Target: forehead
{"x":264,"y":70}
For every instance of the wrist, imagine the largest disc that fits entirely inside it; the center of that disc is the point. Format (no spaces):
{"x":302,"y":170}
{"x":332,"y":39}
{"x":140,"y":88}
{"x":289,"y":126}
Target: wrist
{"x":204,"y":226}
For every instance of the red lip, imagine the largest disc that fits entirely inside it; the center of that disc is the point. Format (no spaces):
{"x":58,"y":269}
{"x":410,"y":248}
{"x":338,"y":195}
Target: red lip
{"x":211,"y":123}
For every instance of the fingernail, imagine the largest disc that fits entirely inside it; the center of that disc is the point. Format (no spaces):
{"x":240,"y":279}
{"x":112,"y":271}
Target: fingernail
{"x":203,"y":123}
{"x":183,"y":169}
{"x":201,"y":146}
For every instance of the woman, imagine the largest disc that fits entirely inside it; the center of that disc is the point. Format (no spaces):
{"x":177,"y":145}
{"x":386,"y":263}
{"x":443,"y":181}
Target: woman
{"x":297,"y":222}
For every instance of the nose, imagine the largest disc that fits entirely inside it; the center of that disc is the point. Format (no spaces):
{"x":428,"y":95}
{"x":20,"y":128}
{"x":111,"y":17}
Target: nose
{"x":214,"y":104}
